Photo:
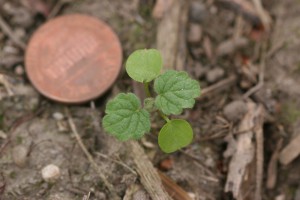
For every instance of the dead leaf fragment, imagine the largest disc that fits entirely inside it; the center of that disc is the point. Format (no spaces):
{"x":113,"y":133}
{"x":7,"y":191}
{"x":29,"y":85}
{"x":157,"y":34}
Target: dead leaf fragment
{"x":245,"y":149}
{"x":291,"y":151}
{"x":272,"y":168}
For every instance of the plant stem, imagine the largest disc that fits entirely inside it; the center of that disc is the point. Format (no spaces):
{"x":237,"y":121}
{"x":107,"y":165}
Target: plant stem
{"x":147,"y":90}
{"x":164,"y":116}
{"x":148,"y":93}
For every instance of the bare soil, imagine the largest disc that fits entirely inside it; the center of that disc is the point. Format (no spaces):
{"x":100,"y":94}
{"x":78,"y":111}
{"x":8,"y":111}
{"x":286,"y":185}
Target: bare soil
{"x":245,"y":122}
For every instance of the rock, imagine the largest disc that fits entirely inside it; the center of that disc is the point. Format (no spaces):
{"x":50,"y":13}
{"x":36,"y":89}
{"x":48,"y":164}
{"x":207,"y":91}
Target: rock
{"x":33,"y":103}
{"x":9,"y":60}
{"x":199,"y":70}
{"x":198,"y":12}
{"x":22,"y":17}
{"x":19,"y":155}
{"x":194,"y":33}
{"x":140,"y":195}
{"x":280,"y":197}
{"x":231,"y":45}
{"x":58,"y":116}
{"x":192,"y":195}
{"x":20,"y":33}
{"x":215,"y":74}
{"x":50,"y":173}
{"x":19,"y":70}
{"x":24,"y":90}
{"x":3,"y":135}
{"x":235,"y":110}
{"x":9,"y":49}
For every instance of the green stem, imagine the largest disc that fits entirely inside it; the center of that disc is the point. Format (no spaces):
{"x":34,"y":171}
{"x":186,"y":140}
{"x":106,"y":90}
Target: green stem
{"x":148,"y":93}
{"x":164,"y":116}
{"x":147,"y":90}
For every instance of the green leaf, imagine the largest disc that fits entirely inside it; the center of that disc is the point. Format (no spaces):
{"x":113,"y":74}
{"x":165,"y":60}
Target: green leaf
{"x":125,"y":119}
{"x":144,"y":65}
{"x":174,"y":135}
{"x":176,"y":90}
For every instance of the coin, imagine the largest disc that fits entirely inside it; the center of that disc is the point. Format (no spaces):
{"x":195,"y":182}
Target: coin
{"x":73,"y":58}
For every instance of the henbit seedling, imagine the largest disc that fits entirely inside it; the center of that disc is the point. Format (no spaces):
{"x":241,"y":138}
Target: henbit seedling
{"x":126,"y":118}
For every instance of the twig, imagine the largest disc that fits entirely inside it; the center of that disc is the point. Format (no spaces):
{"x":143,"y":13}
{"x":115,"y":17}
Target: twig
{"x":170,"y":37}
{"x":225,"y":83}
{"x":57,"y":7}
{"x":244,"y":8}
{"x":8,"y":31}
{"x":216,"y":136}
{"x":260,"y":83}
{"x":6,"y":84}
{"x":272,"y":168}
{"x":253,"y":89}
{"x":259,"y":153}
{"x":245,"y":150}
{"x":176,"y":192}
{"x":202,"y":166}
{"x":118,"y":162}
{"x":263,"y":15}
{"x":149,"y":176}
{"x":89,"y":156}
{"x":86,"y":197}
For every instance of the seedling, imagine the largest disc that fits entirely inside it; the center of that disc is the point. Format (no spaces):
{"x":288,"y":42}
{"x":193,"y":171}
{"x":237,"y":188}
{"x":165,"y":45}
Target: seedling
{"x":126,"y":118}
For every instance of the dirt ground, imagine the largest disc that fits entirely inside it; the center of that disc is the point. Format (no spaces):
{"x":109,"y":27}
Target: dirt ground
{"x":244,"y":53}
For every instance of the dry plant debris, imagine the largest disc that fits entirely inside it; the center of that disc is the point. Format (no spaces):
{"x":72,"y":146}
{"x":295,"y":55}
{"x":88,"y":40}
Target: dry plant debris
{"x":244,"y":148}
{"x":291,"y":151}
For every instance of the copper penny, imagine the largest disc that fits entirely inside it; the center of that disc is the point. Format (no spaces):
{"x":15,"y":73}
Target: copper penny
{"x":73,"y":58}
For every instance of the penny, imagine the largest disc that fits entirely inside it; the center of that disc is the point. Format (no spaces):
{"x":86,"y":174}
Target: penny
{"x":73,"y":58}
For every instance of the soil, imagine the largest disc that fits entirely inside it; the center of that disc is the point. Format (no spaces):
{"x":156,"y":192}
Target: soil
{"x":248,"y":66}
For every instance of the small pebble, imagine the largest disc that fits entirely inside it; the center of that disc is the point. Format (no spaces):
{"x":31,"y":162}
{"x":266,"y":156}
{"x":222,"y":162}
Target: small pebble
{"x":22,"y":17}
{"x":140,"y":195}
{"x":33,"y":103}
{"x":3,"y":135}
{"x":9,"y":60}
{"x":100,"y":195}
{"x":281,"y":197}
{"x":50,"y":173}
{"x":209,"y":162}
{"x":229,"y":46}
{"x":8,"y":8}
{"x":235,"y":110}
{"x":195,"y":33}
{"x":213,"y":10}
{"x":19,"y":155}
{"x":8,"y":49}
{"x":215,"y":74}
{"x":58,"y":116}
{"x":19,"y":70}
{"x":192,"y":195}
{"x":20,"y":32}
{"x":198,"y":12}
{"x":200,"y":70}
